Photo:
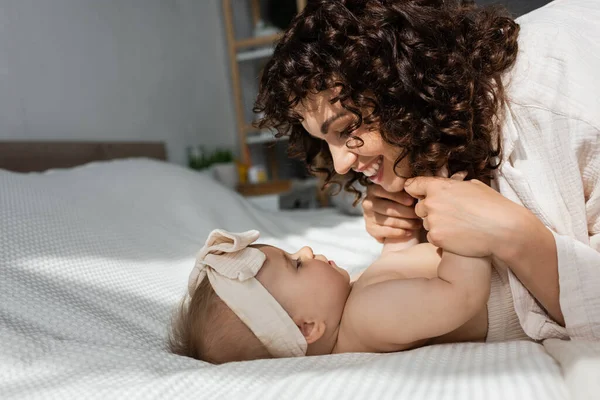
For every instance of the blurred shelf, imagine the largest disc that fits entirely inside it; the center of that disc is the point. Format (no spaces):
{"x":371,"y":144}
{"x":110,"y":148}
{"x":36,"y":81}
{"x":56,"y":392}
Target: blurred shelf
{"x":256,"y":41}
{"x":263,"y":137}
{"x":248,"y":49}
{"x":255,"y":54}
{"x":249,"y":129}
{"x":264,"y":188}
{"x":276,"y":186}
{"x":298,"y":184}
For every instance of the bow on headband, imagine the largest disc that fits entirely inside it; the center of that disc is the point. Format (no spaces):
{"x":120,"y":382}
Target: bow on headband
{"x":231,"y":266}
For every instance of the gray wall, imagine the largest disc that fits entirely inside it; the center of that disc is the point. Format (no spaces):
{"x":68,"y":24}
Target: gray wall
{"x":122,"y":70}
{"x":115,"y":70}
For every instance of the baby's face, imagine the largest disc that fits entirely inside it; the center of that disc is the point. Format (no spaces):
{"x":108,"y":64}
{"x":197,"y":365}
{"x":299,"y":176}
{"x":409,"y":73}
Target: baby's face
{"x":307,"y":286}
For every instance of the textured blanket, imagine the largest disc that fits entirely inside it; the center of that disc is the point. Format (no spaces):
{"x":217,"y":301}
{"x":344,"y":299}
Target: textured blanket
{"x":93,"y":260}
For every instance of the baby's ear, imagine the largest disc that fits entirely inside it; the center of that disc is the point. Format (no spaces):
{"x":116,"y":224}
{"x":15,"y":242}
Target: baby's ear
{"x":312,"y":331}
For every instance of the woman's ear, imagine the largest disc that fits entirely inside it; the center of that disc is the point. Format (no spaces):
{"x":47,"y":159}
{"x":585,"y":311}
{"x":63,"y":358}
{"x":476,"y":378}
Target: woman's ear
{"x":312,"y":331}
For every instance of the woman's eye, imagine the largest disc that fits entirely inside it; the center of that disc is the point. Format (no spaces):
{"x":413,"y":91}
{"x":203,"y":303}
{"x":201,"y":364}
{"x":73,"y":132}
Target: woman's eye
{"x":298,"y":263}
{"x":344,"y":133}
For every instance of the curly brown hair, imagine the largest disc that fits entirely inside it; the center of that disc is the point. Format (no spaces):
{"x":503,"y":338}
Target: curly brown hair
{"x":428,"y":71}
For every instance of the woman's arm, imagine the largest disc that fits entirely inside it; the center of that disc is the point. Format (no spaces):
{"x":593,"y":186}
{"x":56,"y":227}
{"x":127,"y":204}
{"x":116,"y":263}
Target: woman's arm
{"x":530,"y":251}
{"x":494,"y":226}
{"x":560,"y":271}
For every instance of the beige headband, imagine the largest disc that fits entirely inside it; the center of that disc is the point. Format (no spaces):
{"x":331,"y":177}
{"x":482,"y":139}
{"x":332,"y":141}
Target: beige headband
{"x":231,"y":267}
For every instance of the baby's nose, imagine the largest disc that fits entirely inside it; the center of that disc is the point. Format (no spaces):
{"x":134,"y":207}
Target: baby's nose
{"x":321,"y":257}
{"x":307,"y":252}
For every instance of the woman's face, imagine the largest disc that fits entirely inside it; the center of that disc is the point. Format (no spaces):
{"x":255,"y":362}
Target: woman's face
{"x":374,"y":158}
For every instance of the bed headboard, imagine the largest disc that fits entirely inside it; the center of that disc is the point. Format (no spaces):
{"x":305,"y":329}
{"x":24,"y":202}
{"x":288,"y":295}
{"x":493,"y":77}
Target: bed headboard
{"x":30,"y":156}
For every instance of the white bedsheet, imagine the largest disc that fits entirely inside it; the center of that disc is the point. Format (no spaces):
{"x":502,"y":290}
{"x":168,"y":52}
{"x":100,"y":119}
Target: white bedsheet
{"x":580,"y":364}
{"x":94,"y":259}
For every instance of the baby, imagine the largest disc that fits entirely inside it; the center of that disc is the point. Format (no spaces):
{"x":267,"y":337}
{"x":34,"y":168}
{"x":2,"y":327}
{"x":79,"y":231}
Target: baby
{"x":249,"y":301}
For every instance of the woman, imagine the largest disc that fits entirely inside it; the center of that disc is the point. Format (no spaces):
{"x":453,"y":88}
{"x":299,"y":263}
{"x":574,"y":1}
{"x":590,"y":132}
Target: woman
{"x":381,"y":91}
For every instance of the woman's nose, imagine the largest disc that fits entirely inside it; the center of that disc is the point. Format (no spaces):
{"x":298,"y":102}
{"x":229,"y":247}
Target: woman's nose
{"x":343,"y":159}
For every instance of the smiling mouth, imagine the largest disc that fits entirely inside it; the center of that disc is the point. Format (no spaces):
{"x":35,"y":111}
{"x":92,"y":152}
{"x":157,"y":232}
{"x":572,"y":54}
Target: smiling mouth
{"x":372,"y":168}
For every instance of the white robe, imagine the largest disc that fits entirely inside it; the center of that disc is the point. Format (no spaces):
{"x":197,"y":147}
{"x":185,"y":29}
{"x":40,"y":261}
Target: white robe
{"x":551,"y":159}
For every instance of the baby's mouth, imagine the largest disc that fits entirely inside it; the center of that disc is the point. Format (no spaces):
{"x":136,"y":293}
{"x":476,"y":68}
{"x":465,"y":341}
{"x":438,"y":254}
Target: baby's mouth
{"x":334,"y":265}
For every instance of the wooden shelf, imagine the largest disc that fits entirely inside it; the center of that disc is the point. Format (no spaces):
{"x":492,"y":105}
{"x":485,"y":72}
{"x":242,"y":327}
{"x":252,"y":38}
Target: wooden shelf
{"x":264,"y":188}
{"x":256,"y":41}
{"x":264,"y":137}
{"x":255,"y":54}
{"x":249,"y":129}
{"x":247,"y":50}
{"x":257,"y":136}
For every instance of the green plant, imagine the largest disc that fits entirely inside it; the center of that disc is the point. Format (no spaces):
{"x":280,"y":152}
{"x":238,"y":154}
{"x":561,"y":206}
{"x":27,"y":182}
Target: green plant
{"x":222,"y":156}
{"x":199,"y":158}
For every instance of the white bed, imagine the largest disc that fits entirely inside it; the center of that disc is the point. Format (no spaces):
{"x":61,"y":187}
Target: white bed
{"x":93,"y":260}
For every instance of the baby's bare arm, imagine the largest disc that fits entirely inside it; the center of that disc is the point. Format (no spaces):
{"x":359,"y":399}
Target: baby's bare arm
{"x":399,"y":244}
{"x":404,"y":311}
{"x":419,"y":260}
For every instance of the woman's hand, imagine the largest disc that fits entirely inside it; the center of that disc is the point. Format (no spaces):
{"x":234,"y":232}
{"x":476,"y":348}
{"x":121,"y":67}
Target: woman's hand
{"x":467,"y":218}
{"x":390,"y":215}
{"x":473,"y":220}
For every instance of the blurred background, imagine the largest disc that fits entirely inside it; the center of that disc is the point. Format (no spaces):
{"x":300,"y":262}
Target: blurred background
{"x":183,"y":72}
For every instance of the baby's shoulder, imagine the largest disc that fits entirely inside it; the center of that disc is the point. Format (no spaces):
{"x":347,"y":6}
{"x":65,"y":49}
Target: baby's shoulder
{"x":369,"y":315}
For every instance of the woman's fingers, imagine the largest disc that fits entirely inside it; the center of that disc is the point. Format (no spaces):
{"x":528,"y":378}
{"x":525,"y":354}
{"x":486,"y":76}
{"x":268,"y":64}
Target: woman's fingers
{"x":400,"y":223}
{"x":393,"y":209}
{"x":381,"y":232}
{"x":459,"y":176}
{"x":376,"y":191}
{"x":389,"y":215}
{"x":420,"y":209}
